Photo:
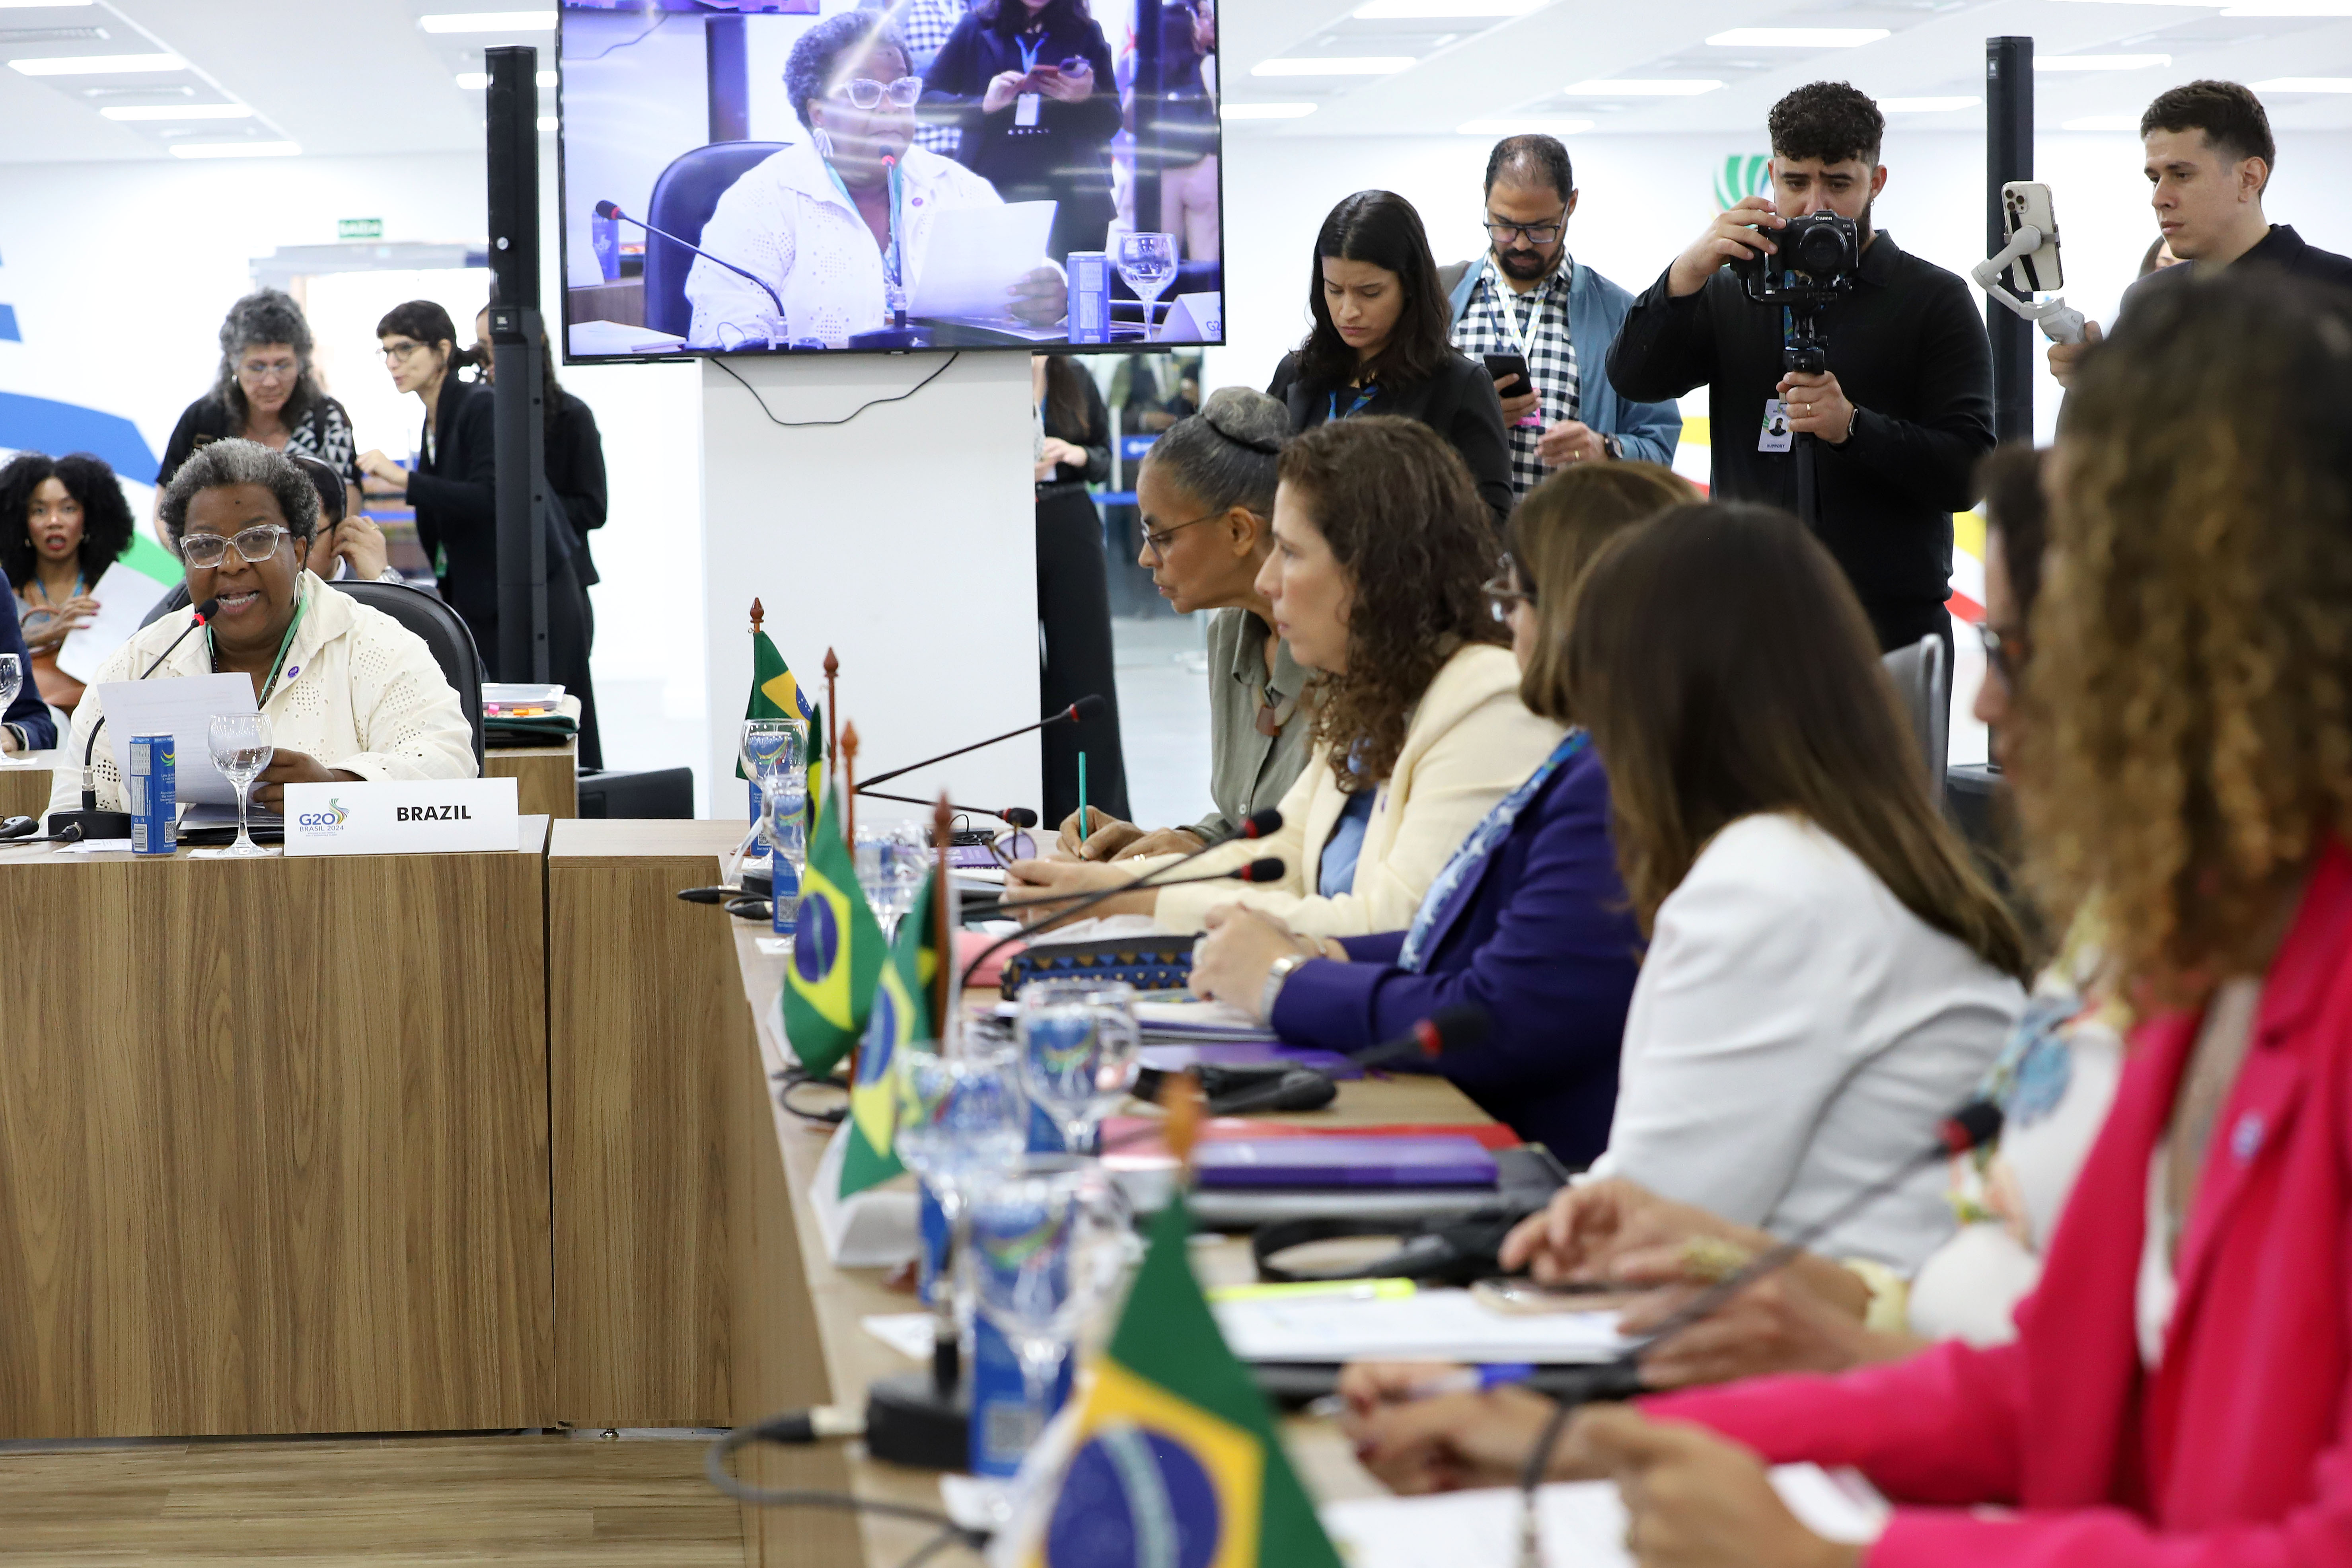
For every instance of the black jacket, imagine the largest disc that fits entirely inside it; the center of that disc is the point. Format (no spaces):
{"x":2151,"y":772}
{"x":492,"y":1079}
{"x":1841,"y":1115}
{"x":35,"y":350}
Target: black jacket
{"x":575,"y":474}
{"x":1908,"y":349}
{"x":1064,"y":157}
{"x":1094,"y":437}
{"x":2282,"y":248}
{"x":1458,"y":401}
{"x":455,"y":492}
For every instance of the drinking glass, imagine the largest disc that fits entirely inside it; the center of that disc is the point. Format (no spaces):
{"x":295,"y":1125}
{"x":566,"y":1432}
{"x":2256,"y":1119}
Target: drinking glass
{"x":1079,"y":1048}
{"x":767,"y":748}
{"x":1050,"y":1243}
{"x":12,"y":680}
{"x":893,"y":857}
{"x":241,"y":748}
{"x":784,"y":822}
{"x":1148,"y":262}
{"x":962,"y":1125}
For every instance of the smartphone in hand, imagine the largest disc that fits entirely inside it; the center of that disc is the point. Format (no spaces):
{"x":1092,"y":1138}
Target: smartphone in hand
{"x":1503,"y":368}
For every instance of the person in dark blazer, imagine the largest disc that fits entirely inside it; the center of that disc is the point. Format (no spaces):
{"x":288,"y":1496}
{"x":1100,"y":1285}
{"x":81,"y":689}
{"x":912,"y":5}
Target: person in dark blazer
{"x":1074,"y":588}
{"x":453,"y":489}
{"x":575,"y":454}
{"x":27,"y":725}
{"x":1529,"y":921}
{"x":1382,"y":342}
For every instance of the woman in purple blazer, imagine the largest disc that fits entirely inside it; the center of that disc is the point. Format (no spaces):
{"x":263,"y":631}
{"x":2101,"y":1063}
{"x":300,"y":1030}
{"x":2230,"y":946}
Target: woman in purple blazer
{"x":1529,"y":920}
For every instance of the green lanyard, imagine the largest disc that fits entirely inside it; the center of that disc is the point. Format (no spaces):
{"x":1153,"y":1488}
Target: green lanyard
{"x":284,"y":645}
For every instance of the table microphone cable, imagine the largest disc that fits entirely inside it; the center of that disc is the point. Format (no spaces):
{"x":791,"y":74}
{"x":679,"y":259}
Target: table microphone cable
{"x":798,"y":1427}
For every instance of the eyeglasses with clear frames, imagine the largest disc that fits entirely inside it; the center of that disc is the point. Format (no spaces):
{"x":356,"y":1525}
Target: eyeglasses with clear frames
{"x":2003,"y":653}
{"x":1155,"y":540}
{"x":255,"y":544}
{"x":1504,"y":593}
{"x":270,"y":370}
{"x":394,"y":353}
{"x":1536,"y":233}
{"x":864,"y":92}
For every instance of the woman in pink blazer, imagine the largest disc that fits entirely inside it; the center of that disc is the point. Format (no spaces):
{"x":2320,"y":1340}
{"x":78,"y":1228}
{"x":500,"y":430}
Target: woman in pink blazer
{"x":2180,"y":1392}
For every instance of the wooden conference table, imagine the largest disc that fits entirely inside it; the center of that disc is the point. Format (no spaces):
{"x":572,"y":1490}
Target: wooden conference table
{"x":433,"y":1144}
{"x":547,"y":779}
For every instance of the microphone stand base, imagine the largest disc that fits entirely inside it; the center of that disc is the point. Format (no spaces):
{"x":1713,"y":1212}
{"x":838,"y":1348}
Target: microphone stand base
{"x":910,"y":1422}
{"x":94,"y":825}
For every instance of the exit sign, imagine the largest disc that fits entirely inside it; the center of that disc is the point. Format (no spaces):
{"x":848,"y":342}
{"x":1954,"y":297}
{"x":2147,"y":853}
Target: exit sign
{"x":358,"y":228}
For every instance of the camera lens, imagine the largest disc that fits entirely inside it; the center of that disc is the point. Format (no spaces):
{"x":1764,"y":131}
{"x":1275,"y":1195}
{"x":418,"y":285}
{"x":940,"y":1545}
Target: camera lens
{"x":1820,"y":251}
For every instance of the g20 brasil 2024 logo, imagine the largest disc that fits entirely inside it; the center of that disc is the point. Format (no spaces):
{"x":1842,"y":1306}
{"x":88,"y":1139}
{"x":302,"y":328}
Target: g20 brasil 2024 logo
{"x":328,"y":820}
{"x":1742,"y":176}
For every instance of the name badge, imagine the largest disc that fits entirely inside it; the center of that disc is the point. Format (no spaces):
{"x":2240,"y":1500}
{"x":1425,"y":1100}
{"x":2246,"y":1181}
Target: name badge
{"x":1025,"y":108}
{"x":407,"y":817}
{"x":1776,"y":436}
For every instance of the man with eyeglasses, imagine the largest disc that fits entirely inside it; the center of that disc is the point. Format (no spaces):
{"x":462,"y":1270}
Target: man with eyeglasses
{"x":1528,"y":300}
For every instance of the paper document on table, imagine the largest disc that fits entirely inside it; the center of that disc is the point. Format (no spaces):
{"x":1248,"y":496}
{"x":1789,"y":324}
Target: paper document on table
{"x":975,"y":256}
{"x":125,"y":596}
{"x":1427,"y":1325}
{"x":185,"y":709}
{"x":1582,"y":1523}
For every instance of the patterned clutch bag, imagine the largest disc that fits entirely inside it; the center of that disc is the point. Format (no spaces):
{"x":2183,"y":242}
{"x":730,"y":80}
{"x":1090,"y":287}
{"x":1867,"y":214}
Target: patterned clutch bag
{"x":1152,"y":962}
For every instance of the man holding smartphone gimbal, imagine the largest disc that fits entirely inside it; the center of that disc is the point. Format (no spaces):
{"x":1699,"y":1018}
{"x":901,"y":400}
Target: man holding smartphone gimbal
{"x":1874,"y":358}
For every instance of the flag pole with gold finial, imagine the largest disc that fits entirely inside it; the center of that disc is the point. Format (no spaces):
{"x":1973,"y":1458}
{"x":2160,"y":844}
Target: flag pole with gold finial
{"x":758,"y":614}
{"x":943,"y":1004}
{"x":849,"y":786}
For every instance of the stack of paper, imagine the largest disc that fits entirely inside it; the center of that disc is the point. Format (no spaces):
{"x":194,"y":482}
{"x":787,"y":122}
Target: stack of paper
{"x":1363,"y":1324}
{"x":124,"y":595}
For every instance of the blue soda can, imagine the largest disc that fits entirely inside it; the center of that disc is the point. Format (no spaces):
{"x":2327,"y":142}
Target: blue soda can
{"x":1089,"y":273}
{"x":153,"y":788}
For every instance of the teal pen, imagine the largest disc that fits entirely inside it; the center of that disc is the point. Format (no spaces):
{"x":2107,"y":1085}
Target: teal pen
{"x":1082,"y":797}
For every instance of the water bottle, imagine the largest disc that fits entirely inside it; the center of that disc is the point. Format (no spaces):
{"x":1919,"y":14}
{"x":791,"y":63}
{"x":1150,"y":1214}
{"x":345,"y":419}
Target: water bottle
{"x":605,"y":237}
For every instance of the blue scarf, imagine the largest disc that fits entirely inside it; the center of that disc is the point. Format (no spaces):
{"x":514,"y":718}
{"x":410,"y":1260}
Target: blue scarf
{"x":1470,"y":860}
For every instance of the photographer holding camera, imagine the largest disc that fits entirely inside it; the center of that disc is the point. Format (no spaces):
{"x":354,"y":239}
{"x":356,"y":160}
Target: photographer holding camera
{"x":1900,"y":407}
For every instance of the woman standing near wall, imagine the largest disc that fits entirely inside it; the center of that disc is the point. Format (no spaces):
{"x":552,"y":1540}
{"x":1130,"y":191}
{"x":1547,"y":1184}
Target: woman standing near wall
{"x":1072,"y":588}
{"x":267,"y":391}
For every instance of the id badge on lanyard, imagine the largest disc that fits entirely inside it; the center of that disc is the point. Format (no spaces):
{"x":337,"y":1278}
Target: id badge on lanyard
{"x":1025,"y":106}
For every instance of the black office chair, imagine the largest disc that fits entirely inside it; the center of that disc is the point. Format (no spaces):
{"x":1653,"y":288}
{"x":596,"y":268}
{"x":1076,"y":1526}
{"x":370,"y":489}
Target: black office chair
{"x":682,"y":203}
{"x":428,"y":616}
{"x":1923,"y":680}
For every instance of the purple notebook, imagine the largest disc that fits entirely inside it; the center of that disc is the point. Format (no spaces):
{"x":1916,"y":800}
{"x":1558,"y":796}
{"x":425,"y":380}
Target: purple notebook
{"x":1247,"y":1054}
{"x":1430,"y":1161}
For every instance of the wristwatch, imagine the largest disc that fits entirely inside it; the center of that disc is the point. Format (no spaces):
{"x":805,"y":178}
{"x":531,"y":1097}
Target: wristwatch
{"x":1273,"y":979}
{"x":1614,"y":447}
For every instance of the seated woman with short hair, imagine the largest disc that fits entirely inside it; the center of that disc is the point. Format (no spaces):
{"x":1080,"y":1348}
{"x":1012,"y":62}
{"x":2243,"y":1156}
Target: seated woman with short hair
{"x":1381,"y":550}
{"x":1529,"y":920}
{"x":349,"y":692}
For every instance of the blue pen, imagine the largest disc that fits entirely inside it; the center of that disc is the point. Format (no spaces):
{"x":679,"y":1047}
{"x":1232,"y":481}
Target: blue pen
{"x":1460,"y":1380}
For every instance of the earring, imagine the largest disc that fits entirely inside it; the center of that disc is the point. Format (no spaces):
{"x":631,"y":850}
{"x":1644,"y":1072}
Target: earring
{"x":824,"y":144}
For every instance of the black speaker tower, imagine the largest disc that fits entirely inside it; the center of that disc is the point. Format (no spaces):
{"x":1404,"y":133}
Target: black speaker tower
{"x":518,"y":356}
{"x":2008,"y":155}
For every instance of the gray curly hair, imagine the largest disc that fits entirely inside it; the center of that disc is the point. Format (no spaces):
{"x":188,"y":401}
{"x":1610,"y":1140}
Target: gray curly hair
{"x":264,"y":316}
{"x":809,"y":69}
{"x":1225,"y":455}
{"x":218,"y":463}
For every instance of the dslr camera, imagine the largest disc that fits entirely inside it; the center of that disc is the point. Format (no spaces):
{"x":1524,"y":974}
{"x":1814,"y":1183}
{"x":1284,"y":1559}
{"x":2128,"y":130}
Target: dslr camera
{"x":1816,"y":265}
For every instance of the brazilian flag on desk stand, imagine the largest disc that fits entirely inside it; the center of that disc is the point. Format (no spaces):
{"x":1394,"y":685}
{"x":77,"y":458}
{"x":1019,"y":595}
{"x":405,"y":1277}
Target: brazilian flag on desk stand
{"x":900,"y":1019}
{"x":837,"y":952}
{"x":1175,"y":1457}
{"x":776,"y":694}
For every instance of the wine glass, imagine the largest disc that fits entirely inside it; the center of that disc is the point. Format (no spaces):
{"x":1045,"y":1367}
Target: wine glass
{"x":12,"y":680}
{"x":892,"y":859}
{"x":1148,"y":262}
{"x":768,"y":748}
{"x":1079,"y":1049}
{"x":961,"y":1124}
{"x":1050,"y":1243}
{"x":241,"y":748}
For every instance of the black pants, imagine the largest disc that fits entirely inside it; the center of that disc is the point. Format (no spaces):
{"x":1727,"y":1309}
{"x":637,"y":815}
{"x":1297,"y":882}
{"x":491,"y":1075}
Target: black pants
{"x":569,"y":630}
{"x":1900,"y":623}
{"x":1074,"y":604}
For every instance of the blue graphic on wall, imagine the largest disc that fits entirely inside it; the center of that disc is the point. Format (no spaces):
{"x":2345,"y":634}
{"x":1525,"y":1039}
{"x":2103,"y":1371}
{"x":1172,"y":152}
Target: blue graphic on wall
{"x":8,"y":332}
{"x":45,"y":425}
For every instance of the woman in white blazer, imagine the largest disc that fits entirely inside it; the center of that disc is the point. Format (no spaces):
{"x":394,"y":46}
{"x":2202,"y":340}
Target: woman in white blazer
{"x":1828,"y":976}
{"x":1382,"y":546}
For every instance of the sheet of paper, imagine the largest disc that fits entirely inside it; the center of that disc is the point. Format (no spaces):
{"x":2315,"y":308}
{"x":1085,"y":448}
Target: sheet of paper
{"x":908,"y":1333}
{"x":1428,"y":1325}
{"x":1582,"y":1524}
{"x":125,"y":596}
{"x":183,"y":706}
{"x":974,"y":256}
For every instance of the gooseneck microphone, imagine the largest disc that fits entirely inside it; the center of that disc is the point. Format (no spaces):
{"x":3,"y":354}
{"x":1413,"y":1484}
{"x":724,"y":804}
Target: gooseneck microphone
{"x":1455,"y":1028}
{"x":612,"y":210}
{"x":1017,"y":816}
{"x":91,"y":822}
{"x":1083,"y":708}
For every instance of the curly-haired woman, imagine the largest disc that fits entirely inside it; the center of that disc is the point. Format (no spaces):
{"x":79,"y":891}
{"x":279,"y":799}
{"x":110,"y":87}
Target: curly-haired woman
{"x":1380,"y":550}
{"x":267,"y":391}
{"x":62,"y":523}
{"x":2178,"y":1391}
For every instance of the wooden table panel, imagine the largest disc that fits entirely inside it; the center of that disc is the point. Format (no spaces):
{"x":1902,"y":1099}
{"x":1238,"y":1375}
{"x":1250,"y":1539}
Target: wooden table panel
{"x":547,"y":778}
{"x":273,"y":1145}
{"x":24,"y":791}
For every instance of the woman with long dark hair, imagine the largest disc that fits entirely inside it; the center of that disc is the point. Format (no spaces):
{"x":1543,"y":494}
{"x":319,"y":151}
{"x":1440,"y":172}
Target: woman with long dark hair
{"x":1074,"y":588}
{"x":1382,"y":343}
{"x":1031,"y":84}
{"x":63,"y":522}
{"x":266,"y":391}
{"x":453,"y":489}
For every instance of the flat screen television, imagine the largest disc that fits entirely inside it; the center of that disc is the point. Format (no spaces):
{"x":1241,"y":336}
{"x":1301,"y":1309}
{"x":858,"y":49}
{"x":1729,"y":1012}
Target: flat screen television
{"x":792,"y":176}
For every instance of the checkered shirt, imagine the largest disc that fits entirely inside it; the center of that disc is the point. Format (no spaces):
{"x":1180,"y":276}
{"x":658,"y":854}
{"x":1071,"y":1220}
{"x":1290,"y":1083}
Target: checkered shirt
{"x":1551,"y":356}
{"x":923,"y":27}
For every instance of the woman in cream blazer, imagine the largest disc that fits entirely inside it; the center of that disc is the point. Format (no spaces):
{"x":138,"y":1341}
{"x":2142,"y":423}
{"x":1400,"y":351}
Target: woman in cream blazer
{"x":1381,"y":550}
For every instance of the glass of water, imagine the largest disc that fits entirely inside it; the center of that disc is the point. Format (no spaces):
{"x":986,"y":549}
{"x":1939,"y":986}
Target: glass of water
{"x":961,"y":1126}
{"x":241,"y":748}
{"x":12,"y":681}
{"x":1079,"y":1050}
{"x":1050,"y":1243}
{"x":893,"y":857}
{"x":1148,"y":262}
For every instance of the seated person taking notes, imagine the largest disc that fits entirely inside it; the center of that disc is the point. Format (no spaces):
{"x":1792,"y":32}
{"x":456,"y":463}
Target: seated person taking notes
{"x":1529,"y":918}
{"x":840,"y":223}
{"x":1381,"y":548}
{"x":1206,"y":492}
{"x":349,"y":692}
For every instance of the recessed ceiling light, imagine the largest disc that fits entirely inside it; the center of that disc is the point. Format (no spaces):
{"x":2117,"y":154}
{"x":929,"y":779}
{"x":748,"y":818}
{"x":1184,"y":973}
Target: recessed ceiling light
{"x":476,"y":81}
{"x":1797,"y":38}
{"x":1639,"y":87}
{"x":98,"y":65}
{"x":1522,"y":127}
{"x":2306,"y":84}
{"x":2098,"y":62}
{"x":179,"y":112}
{"x":1265,"y":110}
{"x":236,"y":150}
{"x":549,"y":122}
{"x":490,"y":22}
{"x":2208,"y":5}
{"x":1926,"y":105}
{"x":42,"y":5}
{"x":2291,"y":8}
{"x":1410,"y":10}
{"x":2102,"y":122}
{"x":1335,"y":64}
